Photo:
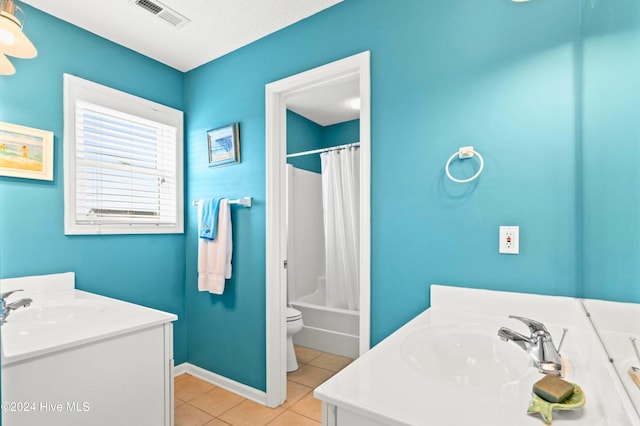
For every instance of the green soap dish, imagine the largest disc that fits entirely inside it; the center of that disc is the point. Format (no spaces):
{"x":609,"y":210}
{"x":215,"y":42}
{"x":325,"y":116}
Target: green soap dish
{"x":545,"y":408}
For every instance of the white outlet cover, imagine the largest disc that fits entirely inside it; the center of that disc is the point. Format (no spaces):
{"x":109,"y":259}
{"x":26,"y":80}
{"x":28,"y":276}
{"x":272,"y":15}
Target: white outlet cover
{"x":509,"y":240}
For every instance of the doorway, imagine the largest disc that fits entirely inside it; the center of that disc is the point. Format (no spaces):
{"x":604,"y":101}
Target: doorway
{"x":277,"y":95}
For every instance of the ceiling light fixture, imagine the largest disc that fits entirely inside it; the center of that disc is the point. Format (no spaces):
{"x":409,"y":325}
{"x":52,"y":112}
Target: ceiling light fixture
{"x":13,"y":42}
{"x":354,"y":103}
{"x":6,"y":67}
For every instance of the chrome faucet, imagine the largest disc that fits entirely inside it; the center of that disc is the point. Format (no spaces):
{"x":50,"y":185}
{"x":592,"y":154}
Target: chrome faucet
{"x":539,"y":346}
{"x":7,"y":308}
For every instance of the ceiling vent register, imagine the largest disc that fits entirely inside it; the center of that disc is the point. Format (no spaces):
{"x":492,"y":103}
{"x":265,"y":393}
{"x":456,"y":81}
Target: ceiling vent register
{"x":166,"y":14}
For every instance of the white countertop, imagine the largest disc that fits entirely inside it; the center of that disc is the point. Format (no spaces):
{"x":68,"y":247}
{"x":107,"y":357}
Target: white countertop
{"x":616,"y":323}
{"x":63,"y":317}
{"x":382,"y":385}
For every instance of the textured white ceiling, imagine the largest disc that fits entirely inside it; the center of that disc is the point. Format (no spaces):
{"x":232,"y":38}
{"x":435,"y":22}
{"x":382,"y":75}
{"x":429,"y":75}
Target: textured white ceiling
{"x":327,"y":104}
{"x":217,"y":27}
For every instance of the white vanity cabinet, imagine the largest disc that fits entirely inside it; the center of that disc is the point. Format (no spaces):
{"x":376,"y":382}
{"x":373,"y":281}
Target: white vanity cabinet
{"x":74,"y":358}
{"x":122,"y":380}
{"x":333,"y":415}
{"x":448,"y":367}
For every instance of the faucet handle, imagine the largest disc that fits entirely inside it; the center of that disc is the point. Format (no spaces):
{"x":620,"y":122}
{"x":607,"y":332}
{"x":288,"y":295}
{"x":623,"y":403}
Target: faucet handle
{"x":8,"y":293}
{"x":536,"y":327}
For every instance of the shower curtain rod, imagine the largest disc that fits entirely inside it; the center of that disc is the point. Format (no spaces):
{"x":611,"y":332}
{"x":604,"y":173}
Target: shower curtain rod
{"x":319,"y":151}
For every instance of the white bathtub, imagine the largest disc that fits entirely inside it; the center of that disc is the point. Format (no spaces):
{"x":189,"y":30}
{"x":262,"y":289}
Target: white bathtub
{"x":77,"y":358}
{"x":327,"y":329}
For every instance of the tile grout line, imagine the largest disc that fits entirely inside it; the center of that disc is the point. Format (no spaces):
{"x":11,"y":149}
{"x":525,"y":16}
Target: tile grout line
{"x":202,"y":411}
{"x":274,"y":419}
{"x":221,"y":414}
{"x":224,"y":412}
{"x":289,"y":409}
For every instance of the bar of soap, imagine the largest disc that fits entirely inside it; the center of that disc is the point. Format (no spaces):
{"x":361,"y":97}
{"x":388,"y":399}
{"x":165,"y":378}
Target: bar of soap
{"x":553,"y":389}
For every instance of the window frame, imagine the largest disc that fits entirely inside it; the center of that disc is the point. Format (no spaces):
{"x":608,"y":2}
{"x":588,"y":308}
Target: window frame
{"x":76,"y":88}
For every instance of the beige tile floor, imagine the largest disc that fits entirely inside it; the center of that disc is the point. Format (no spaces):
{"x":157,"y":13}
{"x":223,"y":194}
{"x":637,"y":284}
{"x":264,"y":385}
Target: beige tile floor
{"x":200,"y":403}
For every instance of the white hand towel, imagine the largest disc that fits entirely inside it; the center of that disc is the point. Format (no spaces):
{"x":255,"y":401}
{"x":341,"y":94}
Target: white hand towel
{"x":214,"y":256}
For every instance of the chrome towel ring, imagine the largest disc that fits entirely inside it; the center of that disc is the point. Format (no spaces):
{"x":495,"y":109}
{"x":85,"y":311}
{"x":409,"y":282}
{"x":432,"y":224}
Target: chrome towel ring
{"x":464,"y":152}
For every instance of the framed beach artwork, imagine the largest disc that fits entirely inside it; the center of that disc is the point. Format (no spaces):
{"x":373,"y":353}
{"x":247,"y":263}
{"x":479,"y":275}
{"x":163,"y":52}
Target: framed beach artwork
{"x":224,"y":145}
{"x":26,"y":152}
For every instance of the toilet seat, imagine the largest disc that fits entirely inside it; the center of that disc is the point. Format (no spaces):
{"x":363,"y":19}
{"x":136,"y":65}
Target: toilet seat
{"x":293,"y":314}
{"x":294,"y":325}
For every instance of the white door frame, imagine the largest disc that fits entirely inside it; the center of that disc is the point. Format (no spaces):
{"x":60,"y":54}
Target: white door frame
{"x":276,"y":194}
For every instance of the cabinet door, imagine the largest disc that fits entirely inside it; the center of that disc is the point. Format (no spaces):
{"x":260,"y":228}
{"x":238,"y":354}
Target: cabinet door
{"x":117,"y":381}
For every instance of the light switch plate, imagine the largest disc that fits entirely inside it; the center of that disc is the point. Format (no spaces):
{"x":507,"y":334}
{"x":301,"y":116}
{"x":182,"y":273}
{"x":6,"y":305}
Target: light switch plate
{"x":509,"y":240}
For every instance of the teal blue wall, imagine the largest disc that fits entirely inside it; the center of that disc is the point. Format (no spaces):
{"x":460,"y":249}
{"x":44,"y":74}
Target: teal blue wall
{"x":306,"y":135}
{"x":148,"y":270}
{"x":444,"y":75}
{"x":508,"y":78}
{"x":303,"y":135}
{"x":341,"y":133}
{"x":611,"y":122}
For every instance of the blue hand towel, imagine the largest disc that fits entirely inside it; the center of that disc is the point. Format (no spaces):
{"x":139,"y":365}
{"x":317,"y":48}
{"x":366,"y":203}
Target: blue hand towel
{"x":209,"y":218}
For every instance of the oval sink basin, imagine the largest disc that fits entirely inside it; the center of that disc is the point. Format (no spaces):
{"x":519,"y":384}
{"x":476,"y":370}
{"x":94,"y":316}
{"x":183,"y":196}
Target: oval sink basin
{"x":55,"y":313}
{"x":464,"y":357}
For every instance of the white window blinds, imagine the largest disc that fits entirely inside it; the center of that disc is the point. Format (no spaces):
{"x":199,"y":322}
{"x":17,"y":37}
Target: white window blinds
{"x":123,"y":170}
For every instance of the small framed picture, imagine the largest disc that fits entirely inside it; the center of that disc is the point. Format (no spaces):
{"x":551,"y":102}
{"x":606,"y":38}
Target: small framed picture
{"x":26,"y":152}
{"x":224,"y":145}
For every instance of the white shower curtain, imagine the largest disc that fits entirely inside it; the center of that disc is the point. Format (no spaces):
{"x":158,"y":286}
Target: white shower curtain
{"x":340,"y":200}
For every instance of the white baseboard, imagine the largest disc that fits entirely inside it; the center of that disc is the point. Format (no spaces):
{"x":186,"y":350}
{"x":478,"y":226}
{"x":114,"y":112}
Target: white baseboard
{"x":179,"y":369}
{"x":238,"y":388}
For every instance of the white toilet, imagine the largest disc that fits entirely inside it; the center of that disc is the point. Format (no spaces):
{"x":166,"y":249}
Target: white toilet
{"x":294,"y":325}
